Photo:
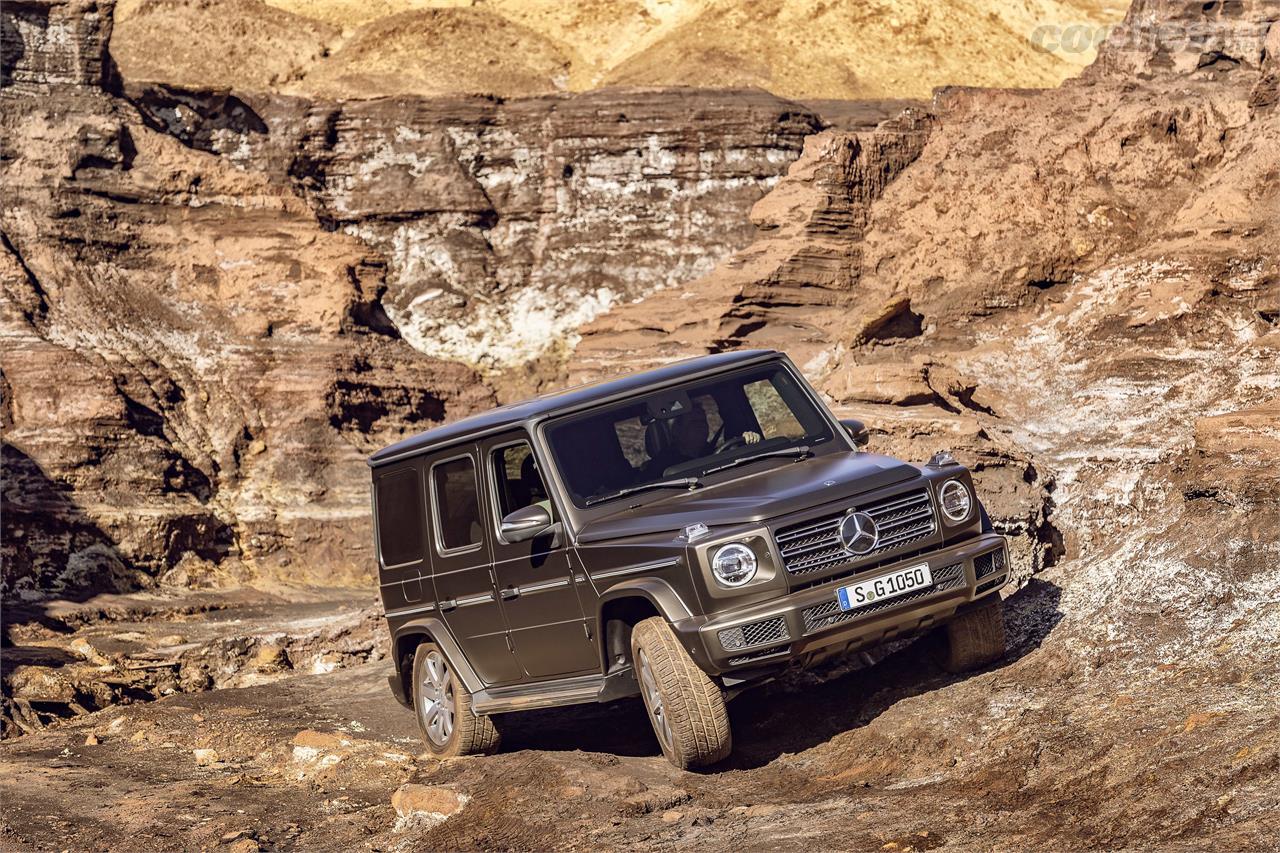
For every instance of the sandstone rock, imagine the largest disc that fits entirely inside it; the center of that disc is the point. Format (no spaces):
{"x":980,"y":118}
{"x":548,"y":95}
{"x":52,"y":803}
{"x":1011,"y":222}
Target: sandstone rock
{"x":893,"y":384}
{"x":85,"y":649}
{"x":312,"y":739}
{"x":205,"y":757}
{"x":41,"y":684}
{"x":270,"y":658}
{"x":659,"y":798}
{"x":256,"y":289}
{"x":419,"y":806}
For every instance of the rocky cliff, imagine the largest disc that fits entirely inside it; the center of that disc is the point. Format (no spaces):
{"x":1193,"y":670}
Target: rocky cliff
{"x":216,"y":303}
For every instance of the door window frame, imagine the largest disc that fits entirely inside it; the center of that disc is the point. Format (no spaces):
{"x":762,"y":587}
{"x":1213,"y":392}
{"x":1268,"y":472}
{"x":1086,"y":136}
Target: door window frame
{"x":377,"y":487}
{"x":494,"y":498}
{"x":437,"y":531}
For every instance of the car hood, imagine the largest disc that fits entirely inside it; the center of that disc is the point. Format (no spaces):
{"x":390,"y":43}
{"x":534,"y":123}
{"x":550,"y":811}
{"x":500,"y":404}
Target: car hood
{"x":785,"y":487}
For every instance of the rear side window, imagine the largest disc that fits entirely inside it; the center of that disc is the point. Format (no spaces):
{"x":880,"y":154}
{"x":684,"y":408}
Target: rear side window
{"x":399,"y":501}
{"x":453,"y":484}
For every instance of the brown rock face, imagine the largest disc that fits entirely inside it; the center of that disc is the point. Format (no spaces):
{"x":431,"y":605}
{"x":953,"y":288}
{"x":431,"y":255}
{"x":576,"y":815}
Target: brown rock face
{"x":788,"y":288}
{"x":193,"y":365}
{"x":215,"y":305}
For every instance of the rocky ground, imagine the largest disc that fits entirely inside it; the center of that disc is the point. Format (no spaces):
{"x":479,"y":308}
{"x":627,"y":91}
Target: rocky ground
{"x":1076,"y":290}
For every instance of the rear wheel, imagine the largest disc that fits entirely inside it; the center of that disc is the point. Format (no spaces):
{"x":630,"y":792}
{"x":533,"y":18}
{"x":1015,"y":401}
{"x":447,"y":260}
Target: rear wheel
{"x":975,"y":638}
{"x":443,"y":707}
{"x":685,"y":706}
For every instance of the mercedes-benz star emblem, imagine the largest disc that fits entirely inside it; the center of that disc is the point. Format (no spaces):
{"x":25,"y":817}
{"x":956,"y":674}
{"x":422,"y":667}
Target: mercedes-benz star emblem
{"x":858,"y":533}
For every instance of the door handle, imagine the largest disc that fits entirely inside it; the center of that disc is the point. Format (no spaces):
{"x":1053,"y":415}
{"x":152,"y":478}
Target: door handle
{"x":509,"y":592}
{"x":447,"y":605}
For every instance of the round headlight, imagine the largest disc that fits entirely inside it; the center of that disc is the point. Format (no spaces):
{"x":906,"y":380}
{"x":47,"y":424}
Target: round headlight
{"x":955,"y":500}
{"x":733,"y":564}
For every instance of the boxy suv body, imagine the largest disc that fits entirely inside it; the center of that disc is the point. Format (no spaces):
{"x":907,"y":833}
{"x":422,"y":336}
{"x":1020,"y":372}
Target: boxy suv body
{"x":676,"y":534}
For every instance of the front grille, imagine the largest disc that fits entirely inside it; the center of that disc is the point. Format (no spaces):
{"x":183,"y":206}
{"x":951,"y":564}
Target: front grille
{"x":988,"y":563}
{"x":813,"y":546}
{"x":760,"y":655}
{"x":755,"y":634}
{"x":829,"y":613}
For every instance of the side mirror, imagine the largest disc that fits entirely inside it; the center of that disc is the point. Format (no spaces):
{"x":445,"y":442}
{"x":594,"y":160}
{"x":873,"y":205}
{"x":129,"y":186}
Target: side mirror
{"x":857,"y":431}
{"x":526,"y":523}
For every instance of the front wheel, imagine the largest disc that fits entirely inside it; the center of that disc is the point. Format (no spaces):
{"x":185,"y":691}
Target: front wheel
{"x":685,"y":706}
{"x":443,"y":707}
{"x":975,"y":638}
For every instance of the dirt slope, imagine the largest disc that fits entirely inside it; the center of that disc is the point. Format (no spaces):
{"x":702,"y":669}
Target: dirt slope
{"x":845,"y":49}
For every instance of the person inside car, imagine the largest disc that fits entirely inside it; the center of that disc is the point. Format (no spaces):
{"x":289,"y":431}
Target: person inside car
{"x":685,"y":438}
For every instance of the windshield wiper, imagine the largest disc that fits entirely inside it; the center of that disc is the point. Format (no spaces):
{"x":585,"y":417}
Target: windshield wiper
{"x":799,"y":452}
{"x":676,"y":483}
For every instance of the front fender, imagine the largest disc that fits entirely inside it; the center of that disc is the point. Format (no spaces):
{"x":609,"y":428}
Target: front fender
{"x":658,"y":592}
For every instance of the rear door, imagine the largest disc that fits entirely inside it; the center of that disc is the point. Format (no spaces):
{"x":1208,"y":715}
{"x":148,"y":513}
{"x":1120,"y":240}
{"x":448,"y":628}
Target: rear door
{"x":536,"y":582}
{"x":465,"y":587}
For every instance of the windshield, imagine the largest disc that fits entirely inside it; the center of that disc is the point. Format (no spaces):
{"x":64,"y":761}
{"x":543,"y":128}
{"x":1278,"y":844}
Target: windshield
{"x":672,"y":437}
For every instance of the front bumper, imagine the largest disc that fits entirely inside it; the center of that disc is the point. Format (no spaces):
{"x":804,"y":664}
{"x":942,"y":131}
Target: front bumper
{"x":809,"y":623}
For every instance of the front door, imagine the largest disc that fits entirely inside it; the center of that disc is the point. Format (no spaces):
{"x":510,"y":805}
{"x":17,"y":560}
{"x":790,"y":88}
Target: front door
{"x":462,"y":565}
{"x":535,"y":579}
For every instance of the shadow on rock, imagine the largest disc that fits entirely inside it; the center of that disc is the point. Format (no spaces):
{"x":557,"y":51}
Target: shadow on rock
{"x":806,"y":709}
{"x":797,"y":711}
{"x":48,"y":542}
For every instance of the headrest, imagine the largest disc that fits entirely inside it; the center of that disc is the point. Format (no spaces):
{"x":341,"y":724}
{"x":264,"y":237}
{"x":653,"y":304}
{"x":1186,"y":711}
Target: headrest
{"x":655,"y":439}
{"x":529,"y":470}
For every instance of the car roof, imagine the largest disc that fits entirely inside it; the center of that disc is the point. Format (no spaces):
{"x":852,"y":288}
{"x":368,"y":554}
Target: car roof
{"x":570,"y":399}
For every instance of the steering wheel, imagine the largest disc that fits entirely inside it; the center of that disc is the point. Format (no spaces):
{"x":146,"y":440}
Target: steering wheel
{"x":730,"y":444}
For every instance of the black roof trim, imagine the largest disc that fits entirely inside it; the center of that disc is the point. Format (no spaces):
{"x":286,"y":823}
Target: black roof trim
{"x":560,"y":402}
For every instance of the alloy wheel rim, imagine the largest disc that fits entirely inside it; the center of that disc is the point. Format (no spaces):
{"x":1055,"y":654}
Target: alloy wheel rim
{"x":653,"y":699}
{"x":437,"y":699}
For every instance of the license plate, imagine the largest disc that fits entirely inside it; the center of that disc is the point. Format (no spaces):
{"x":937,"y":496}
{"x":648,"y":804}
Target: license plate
{"x":884,"y":587}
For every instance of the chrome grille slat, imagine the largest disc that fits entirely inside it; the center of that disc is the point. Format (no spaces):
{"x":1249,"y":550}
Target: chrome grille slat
{"x":805,"y":531}
{"x":814,"y":545}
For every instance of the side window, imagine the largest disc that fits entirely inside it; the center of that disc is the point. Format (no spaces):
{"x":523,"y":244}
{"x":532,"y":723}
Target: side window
{"x":453,"y":487}
{"x":399,"y":500}
{"x":519,"y":482}
{"x":771,"y":411}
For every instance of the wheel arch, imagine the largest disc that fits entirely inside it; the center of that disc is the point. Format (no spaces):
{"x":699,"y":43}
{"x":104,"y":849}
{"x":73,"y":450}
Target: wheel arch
{"x":414,"y":633}
{"x":626,"y":604}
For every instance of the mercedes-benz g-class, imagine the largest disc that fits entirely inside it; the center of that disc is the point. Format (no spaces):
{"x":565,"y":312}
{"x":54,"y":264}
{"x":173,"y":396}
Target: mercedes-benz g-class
{"x":677,"y":534}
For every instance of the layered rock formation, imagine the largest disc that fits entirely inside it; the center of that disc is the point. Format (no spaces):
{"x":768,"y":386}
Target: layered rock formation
{"x":193,"y":365}
{"x":216,"y":303}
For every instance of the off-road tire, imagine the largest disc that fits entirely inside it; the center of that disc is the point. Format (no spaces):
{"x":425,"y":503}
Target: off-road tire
{"x":471,"y":733}
{"x":691,"y":701}
{"x":975,"y":638}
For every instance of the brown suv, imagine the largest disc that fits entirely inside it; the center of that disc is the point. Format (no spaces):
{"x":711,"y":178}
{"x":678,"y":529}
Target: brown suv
{"x":676,"y":534}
